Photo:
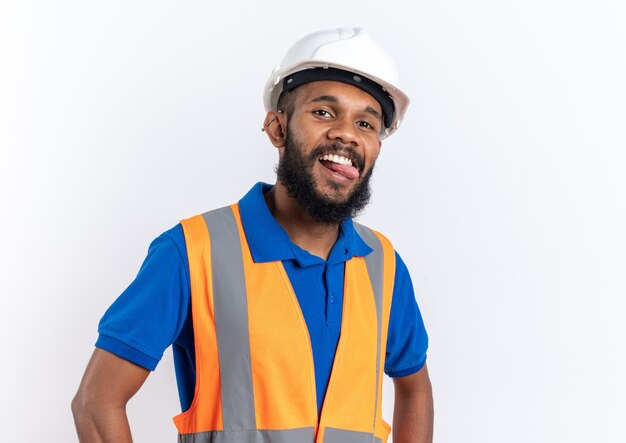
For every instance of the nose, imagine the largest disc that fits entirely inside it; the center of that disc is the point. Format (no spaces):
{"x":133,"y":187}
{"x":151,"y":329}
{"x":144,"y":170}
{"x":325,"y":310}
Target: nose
{"x":343,"y":130}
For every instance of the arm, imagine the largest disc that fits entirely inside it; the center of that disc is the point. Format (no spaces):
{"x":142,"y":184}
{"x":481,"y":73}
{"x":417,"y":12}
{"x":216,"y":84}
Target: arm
{"x":151,"y":313}
{"x":99,"y":407}
{"x":413,"y":408}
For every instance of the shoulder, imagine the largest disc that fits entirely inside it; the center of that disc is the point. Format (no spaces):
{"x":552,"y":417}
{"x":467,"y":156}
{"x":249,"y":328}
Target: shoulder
{"x":194,"y":228}
{"x":152,"y":311}
{"x":166,"y":250}
{"x":376,"y":240}
{"x":173,"y":239}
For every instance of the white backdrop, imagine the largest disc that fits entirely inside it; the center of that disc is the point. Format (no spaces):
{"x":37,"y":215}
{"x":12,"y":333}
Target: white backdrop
{"x":503,"y":191}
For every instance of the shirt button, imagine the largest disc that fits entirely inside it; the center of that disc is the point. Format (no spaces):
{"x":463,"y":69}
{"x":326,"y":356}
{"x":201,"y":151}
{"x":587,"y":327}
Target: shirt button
{"x":332,"y":298}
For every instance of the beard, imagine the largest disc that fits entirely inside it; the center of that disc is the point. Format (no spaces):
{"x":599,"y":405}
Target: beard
{"x":295,"y":172}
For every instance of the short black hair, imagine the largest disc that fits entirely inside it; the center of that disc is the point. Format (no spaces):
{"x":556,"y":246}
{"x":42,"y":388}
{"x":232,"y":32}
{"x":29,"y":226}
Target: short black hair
{"x":287,"y":102}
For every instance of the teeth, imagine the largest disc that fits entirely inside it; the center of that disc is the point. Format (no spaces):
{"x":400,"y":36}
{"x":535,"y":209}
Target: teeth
{"x":337,"y":159}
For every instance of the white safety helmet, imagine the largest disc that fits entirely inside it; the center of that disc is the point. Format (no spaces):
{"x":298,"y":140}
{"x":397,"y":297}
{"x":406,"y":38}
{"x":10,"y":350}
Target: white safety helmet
{"x":347,"y":55}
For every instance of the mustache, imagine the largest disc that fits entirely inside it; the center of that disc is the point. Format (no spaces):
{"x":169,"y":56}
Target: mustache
{"x":339,"y":149}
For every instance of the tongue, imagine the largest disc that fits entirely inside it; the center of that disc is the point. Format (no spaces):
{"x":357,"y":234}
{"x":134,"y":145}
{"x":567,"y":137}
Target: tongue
{"x":346,"y":170}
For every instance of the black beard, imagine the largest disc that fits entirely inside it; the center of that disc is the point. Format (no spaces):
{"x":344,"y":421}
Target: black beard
{"x":295,"y":172}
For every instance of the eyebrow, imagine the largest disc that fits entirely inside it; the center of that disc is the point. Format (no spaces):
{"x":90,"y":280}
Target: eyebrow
{"x":325,"y":98}
{"x":333,"y":99}
{"x":374,"y":112}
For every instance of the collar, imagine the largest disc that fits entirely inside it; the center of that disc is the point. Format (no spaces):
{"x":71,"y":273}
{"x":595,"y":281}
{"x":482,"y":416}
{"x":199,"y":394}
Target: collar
{"x":268,"y":240}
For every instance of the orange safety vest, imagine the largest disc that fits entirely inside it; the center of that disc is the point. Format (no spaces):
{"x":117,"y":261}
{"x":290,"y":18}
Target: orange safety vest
{"x":255,"y":380}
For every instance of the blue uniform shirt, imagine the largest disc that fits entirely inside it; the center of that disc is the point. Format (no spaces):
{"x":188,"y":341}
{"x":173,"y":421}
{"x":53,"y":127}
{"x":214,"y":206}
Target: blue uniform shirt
{"x":154,"y":312}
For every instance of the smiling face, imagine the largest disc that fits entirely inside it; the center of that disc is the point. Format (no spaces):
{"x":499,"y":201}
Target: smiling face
{"x":339,"y":120}
{"x":330,"y":147}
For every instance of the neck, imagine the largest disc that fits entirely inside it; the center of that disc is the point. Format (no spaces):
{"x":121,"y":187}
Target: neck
{"x":306,"y":232}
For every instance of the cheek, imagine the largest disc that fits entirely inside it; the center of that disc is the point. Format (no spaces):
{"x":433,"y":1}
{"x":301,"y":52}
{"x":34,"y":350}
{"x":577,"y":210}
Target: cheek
{"x":373,"y":151}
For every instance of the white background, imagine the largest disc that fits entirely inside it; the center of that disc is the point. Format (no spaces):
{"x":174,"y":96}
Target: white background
{"x":504,"y":191}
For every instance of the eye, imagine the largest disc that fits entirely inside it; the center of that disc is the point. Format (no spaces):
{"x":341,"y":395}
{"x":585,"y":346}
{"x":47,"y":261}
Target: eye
{"x":322,"y":113}
{"x":366,"y":125}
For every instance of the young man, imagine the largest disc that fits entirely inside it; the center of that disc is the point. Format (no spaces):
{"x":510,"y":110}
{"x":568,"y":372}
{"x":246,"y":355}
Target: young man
{"x":283,"y":313}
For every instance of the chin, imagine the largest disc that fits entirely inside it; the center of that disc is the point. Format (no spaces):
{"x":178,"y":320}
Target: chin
{"x":335,"y":195}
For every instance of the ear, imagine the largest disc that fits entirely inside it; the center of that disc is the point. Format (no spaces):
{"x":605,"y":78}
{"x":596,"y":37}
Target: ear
{"x":275,"y":127}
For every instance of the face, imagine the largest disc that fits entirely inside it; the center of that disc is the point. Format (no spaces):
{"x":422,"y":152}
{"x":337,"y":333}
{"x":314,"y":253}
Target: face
{"x":331,"y":145}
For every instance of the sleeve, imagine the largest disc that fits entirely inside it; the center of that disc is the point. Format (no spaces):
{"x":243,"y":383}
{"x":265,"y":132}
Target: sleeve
{"x":151,"y":313}
{"x":407,"y":340}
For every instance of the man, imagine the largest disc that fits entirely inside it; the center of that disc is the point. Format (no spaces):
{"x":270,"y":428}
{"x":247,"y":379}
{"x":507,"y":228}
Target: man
{"x":282,"y":312}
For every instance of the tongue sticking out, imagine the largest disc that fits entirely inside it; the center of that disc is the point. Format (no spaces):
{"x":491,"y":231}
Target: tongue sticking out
{"x":346,"y":170}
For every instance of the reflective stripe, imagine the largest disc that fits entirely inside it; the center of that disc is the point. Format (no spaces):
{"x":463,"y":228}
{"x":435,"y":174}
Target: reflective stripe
{"x":300,"y":435}
{"x":231,"y":324}
{"x":374,"y":263}
{"x":333,"y":435}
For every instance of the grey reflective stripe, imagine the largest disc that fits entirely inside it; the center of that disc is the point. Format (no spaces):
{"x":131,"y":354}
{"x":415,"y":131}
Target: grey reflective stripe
{"x":231,"y":322}
{"x":299,"y":435}
{"x":374,"y":262}
{"x":333,"y":435}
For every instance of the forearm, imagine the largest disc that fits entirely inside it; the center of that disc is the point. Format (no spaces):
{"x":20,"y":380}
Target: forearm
{"x":101,"y":425}
{"x":413,"y":418}
{"x":99,"y":407}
